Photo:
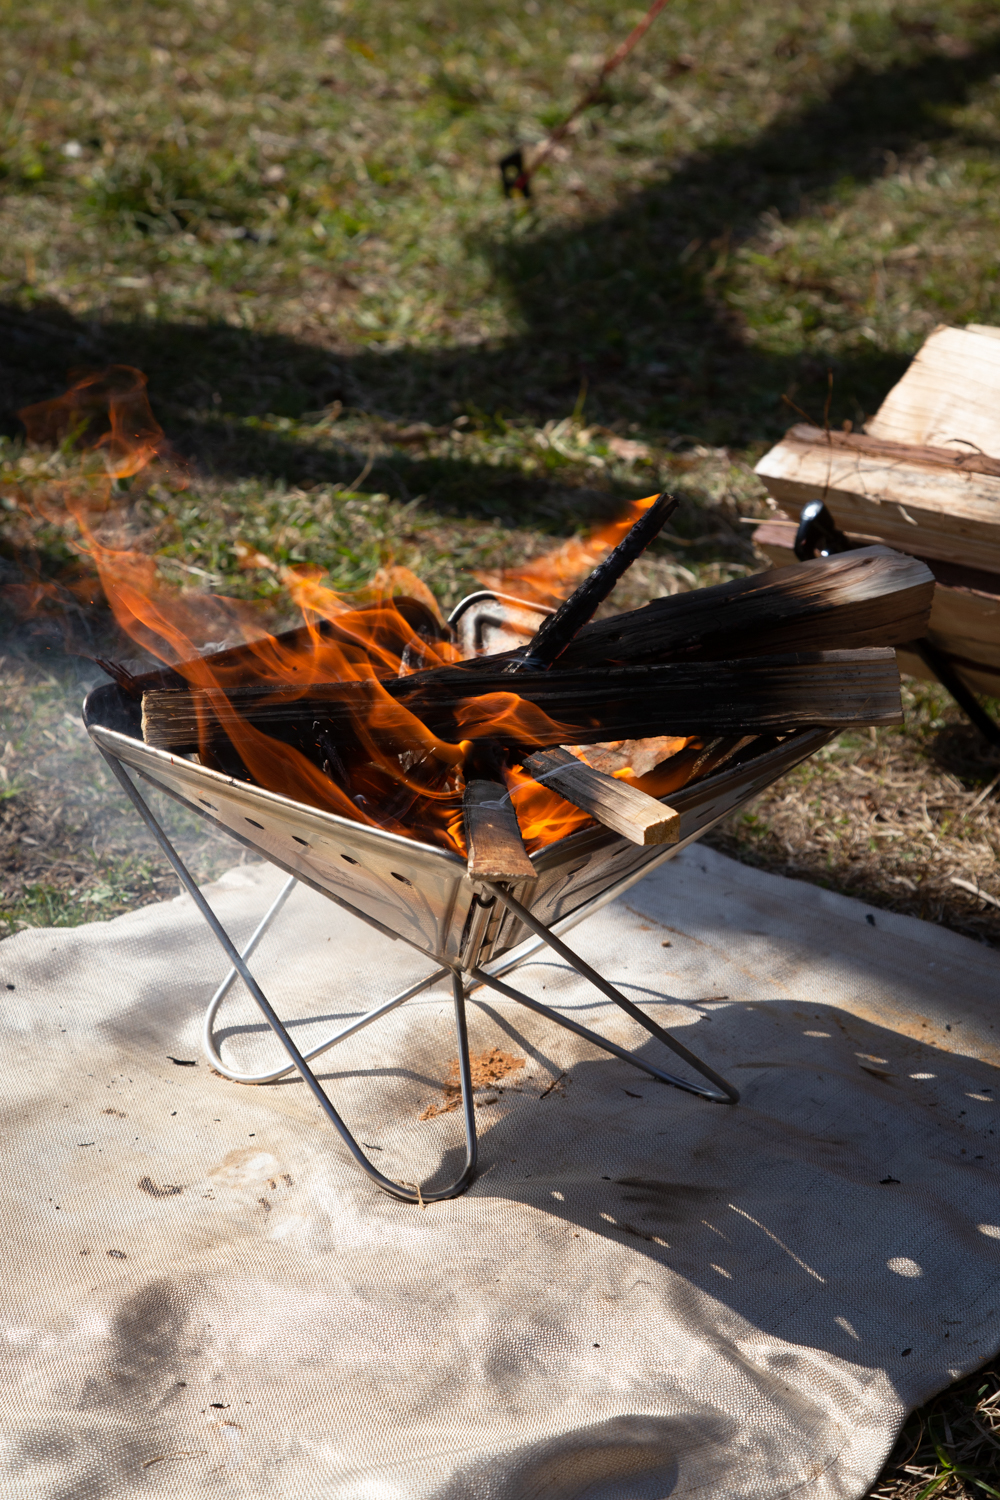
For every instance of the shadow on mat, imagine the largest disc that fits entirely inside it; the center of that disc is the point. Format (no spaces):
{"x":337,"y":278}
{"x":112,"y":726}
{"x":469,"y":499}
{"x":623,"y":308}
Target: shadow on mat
{"x":857,"y":1133}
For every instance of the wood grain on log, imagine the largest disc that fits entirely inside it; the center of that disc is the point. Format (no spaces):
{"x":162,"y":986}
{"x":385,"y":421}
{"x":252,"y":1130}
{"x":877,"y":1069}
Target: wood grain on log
{"x":835,"y":688}
{"x":949,"y":394}
{"x":957,"y":460}
{"x":495,"y":848}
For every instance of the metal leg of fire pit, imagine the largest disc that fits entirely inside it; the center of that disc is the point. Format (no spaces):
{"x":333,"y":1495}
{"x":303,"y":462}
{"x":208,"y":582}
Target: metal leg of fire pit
{"x":408,"y":1192}
{"x":298,"y":1061}
{"x":722,"y":1093}
{"x":208,"y":1041}
{"x":598,"y":1041}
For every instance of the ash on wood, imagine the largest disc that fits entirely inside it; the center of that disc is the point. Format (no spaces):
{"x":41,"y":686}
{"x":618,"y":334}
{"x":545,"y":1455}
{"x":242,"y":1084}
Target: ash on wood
{"x":610,"y":801}
{"x":834,"y":688}
{"x":495,"y":848}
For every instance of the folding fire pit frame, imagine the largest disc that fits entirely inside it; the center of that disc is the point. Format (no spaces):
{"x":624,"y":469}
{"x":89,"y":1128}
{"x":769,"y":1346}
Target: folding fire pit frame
{"x":474,"y":931}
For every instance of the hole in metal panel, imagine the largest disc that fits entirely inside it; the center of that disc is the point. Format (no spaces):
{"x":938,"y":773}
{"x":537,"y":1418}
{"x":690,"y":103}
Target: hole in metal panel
{"x":206,"y":803}
{"x":403,"y":878}
{"x":253,"y":824}
{"x":303,"y":842}
{"x":350,"y":861}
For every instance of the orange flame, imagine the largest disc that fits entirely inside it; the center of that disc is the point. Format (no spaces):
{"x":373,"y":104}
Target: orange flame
{"x":551,"y":577}
{"x":401,"y":776}
{"x":109,"y":410}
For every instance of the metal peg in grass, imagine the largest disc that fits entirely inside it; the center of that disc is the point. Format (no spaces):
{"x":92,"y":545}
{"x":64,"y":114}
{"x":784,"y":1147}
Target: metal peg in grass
{"x":556,"y":631}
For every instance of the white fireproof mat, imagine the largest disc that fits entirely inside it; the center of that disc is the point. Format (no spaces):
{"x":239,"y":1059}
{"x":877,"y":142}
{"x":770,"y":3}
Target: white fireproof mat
{"x":643,"y":1295}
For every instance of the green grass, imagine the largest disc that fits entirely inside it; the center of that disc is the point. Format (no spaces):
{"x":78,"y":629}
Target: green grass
{"x":270,"y":207}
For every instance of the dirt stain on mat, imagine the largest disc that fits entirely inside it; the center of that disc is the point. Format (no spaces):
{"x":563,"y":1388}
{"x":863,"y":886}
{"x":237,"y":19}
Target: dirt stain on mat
{"x":487,"y":1069}
{"x":168,"y":1190}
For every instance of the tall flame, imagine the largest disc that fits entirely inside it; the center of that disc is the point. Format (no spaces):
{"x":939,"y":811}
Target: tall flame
{"x":402,"y":776}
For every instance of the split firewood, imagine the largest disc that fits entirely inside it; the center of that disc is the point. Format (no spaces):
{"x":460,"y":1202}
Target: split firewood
{"x":925,"y":473}
{"x":834,"y":688}
{"x":610,"y":801}
{"x":868,"y":597}
{"x":495,"y":848}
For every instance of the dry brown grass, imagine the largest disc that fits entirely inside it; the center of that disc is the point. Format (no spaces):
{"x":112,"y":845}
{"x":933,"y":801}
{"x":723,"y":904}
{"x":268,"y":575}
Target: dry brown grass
{"x":893,"y":817}
{"x":950,"y":1447}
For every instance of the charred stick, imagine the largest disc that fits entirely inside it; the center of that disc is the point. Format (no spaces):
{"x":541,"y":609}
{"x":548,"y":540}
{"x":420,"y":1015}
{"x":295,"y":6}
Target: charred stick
{"x":556,"y":631}
{"x":129,"y":683}
{"x":610,"y":801}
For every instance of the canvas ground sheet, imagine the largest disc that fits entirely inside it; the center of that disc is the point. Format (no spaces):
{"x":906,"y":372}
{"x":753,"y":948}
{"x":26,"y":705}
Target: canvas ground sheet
{"x":643,"y":1295}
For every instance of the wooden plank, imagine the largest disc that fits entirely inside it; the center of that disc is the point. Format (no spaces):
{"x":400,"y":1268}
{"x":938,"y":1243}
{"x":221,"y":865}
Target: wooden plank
{"x":965,"y":612}
{"x":612,"y":802}
{"x":495,"y":848}
{"x":949,"y":396}
{"x":921,"y":509}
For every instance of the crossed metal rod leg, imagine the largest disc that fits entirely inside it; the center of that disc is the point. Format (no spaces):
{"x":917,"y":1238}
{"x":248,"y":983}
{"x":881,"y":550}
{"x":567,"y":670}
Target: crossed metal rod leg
{"x":716,"y":1089}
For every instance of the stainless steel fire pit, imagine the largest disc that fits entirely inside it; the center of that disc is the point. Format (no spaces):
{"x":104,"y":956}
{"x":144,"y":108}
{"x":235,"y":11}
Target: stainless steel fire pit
{"x":473,"y":931}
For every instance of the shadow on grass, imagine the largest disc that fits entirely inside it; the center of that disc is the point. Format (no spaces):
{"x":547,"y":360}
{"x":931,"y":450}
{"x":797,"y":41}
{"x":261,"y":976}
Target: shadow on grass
{"x":631,"y":301}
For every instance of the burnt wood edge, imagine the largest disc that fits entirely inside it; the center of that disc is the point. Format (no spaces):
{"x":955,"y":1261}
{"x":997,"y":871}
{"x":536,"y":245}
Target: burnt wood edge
{"x":447,"y":682}
{"x":950,"y":575}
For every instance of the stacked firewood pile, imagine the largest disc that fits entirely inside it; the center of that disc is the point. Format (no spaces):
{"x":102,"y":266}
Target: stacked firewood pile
{"x":579,"y":709}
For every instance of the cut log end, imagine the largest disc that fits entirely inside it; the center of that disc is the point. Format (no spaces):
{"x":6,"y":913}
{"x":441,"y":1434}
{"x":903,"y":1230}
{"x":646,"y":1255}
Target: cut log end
{"x":496,"y":849}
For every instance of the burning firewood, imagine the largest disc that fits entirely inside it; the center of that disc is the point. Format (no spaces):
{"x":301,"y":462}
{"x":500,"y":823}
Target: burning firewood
{"x":388,"y":740}
{"x":587,"y":706}
{"x":870,"y":597}
{"x":626,"y":809}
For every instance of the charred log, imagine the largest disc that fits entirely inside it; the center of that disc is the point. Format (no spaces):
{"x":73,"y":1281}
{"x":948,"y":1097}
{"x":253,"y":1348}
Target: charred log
{"x":834,"y":688}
